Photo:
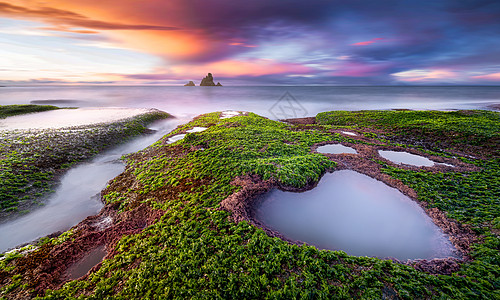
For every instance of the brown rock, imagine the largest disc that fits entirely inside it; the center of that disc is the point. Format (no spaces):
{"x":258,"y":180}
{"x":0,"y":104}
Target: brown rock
{"x":190,"y":83}
{"x":208,"y":80}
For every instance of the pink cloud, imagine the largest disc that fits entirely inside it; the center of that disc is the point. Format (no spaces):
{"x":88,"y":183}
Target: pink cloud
{"x":366,"y":43}
{"x":225,"y":68}
{"x":242,"y":45}
{"x":492,"y":77}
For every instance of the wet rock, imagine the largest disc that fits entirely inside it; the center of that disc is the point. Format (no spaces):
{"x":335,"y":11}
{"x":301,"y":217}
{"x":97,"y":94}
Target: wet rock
{"x":218,"y":84}
{"x":190,"y":83}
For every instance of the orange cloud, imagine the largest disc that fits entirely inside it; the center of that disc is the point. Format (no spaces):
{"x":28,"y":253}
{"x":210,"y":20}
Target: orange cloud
{"x":162,"y":28}
{"x":492,"y":77}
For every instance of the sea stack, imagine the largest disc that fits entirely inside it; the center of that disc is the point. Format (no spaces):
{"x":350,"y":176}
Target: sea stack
{"x":209,"y":81}
{"x":190,"y":83}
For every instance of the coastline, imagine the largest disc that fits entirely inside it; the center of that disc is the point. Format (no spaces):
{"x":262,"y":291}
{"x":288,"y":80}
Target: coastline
{"x":167,"y":213}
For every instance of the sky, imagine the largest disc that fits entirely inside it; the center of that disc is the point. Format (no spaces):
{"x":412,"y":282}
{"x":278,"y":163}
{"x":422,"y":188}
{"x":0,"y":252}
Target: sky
{"x":257,"y":42}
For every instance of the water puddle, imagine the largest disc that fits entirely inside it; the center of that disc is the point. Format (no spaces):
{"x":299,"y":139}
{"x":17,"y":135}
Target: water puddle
{"x":229,"y":114}
{"x":175,"y":138}
{"x":355,"y":213}
{"x":335,"y":149}
{"x":179,"y":137}
{"x":349,"y":133}
{"x":406,"y":158}
{"x":77,"y":195}
{"x":84,"y":265}
{"x":444,"y":164}
{"x":196,"y":129}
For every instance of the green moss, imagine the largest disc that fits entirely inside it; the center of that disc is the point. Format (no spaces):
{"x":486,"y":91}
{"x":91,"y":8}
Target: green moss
{"x":441,"y":128}
{"x":13,"y":110}
{"x":195,"y":251}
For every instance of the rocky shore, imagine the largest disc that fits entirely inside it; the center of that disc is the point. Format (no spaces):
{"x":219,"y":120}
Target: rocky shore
{"x":178,"y":222}
{"x":31,"y":160}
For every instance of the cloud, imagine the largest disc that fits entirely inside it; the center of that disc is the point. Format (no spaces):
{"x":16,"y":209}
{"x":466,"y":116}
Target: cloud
{"x":64,"y":20}
{"x":366,"y":43}
{"x":226,"y":69}
{"x":424,"y":75}
{"x":330,"y":40}
{"x":488,"y":77}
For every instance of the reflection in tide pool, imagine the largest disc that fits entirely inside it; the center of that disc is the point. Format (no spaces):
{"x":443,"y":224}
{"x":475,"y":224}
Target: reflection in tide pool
{"x":352,"y":212}
{"x":406,"y":158}
{"x":335,"y":149}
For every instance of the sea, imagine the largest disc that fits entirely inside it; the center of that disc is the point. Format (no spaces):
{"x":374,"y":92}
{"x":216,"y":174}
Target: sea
{"x":276,"y":102}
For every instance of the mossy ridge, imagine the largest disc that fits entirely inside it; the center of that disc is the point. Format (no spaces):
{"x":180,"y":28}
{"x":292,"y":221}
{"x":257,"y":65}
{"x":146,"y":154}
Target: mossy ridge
{"x":194,"y":251}
{"x":14,"y":110}
{"x":476,"y":129}
{"x":30,"y":159}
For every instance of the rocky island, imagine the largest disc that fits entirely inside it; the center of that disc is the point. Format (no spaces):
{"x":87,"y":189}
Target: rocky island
{"x":209,"y":81}
{"x":206,"y":81}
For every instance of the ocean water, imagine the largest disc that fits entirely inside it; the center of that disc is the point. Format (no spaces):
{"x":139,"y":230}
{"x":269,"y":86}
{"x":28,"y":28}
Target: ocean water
{"x":273,"y":102}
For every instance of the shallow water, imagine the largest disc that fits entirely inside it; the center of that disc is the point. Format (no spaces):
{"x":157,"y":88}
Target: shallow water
{"x":352,"y":212}
{"x":335,"y":149}
{"x":84,"y":265}
{"x":69,"y":117}
{"x":78,"y":194}
{"x":398,"y":157}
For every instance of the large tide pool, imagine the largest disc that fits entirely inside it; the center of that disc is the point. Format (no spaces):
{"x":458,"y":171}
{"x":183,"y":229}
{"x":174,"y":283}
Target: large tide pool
{"x":355,"y":213}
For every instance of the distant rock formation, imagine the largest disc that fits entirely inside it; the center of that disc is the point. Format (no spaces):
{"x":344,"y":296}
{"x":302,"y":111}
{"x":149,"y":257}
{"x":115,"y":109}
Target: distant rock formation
{"x":209,"y":81}
{"x":190,"y":83}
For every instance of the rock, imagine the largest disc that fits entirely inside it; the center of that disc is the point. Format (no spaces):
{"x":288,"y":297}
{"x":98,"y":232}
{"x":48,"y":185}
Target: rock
{"x":218,"y":84}
{"x":208,"y":80}
{"x":190,"y":83}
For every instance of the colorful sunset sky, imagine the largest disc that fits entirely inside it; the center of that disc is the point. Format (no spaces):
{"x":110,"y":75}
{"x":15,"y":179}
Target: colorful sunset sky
{"x":256,"y":42}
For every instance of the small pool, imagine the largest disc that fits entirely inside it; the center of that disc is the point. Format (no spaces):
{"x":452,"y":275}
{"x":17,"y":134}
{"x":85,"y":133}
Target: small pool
{"x":335,"y":149}
{"x":355,"y":213}
{"x":398,"y":157}
{"x":349,"y":133}
{"x":84,"y":265}
{"x":179,"y":137}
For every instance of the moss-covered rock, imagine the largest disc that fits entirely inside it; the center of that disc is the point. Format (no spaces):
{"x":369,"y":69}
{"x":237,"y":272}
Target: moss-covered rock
{"x":193,"y":249}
